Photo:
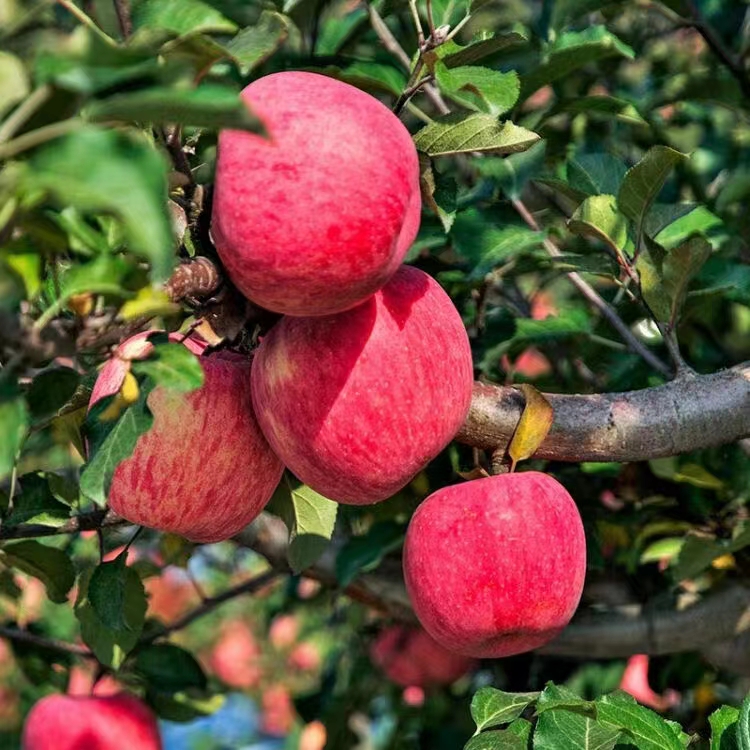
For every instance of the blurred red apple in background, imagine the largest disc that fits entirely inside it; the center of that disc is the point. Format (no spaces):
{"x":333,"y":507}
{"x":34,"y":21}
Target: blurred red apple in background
{"x":514,"y":574}
{"x":315,"y":218}
{"x":278,"y":712}
{"x":204,"y":469}
{"x":283,"y":631}
{"x":305,"y":657}
{"x":313,"y":736}
{"x":63,"y":722}
{"x":635,"y":682}
{"x":355,"y":404}
{"x":235,"y":659}
{"x":170,"y":594}
{"x":410,"y":656}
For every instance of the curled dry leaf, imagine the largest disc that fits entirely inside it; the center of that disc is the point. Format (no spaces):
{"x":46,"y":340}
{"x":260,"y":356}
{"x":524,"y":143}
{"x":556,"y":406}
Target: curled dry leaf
{"x":533,"y":426}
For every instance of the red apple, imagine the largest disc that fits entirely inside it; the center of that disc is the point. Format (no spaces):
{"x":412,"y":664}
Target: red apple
{"x":635,"y":681}
{"x":313,"y":736}
{"x":495,"y":566}
{"x":411,"y":657}
{"x":65,"y":722}
{"x":235,"y":658}
{"x":317,"y":216}
{"x":305,"y":657}
{"x":283,"y":631}
{"x":355,"y":404}
{"x":204,"y":470}
{"x":278,"y":712}
{"x":170,"y":594}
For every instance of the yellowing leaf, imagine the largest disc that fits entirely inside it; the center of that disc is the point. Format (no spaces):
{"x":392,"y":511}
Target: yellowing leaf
{"x":127,"y":395}
{"x":148,"y":302}
{"x":533,"y":426}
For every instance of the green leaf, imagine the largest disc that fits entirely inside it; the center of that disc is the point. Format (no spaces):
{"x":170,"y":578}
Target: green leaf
{"x":255,"y":44}
{"x":310,"y":518}
{"x":481,"y":89}
{"x":460,"y":133}
{"x":95,"y":169}
{"x":486,"y":240}
{"x":665,"y":278}
{"x":208,"y":106}
{"x":117,"y":595}
{"x":364,"y":553}
{"x":181,"y":17}
{"x":439,"y":192}
{"x":671,"y":225}
{"x":502,"y":739}
{"x":454,"y":55}
{"x":724,"y":724}
{"x":596,"y":174}
{"x":571,"y":51}
{"x":169,"y":669}
{"x":558,"y":696}
{"x":561,"y":729}
{"x":14,"y":81}
{"x":110,"y":646}
{"x":14,"y":421}
{"x":185,"y":706}
{"x":111,"y":444}
{"x":598,"y":217}
{"x":644,"y":727}
{"x":698,"y":552}
{"x":51,"y":566}
{"x":569,"y":323}
{"x":50,"y":391}
{"x":172,"y":366}
{"x":367,"y":74}
{"x":662,"y":549}
{"x":644,"y":182}
{"x":36,"y":504}
{"x":565,"y":11}
{"x":606,"y":106}
{"x":491,"y":707}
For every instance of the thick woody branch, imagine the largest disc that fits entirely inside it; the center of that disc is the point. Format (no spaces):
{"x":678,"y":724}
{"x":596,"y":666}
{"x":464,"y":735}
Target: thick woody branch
{"x":713,"y":625}
{"x":687,"y":414}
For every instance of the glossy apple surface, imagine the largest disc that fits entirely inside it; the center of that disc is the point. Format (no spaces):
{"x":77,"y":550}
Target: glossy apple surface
{"x":495,"y":566}
{"x":315,"y":218}
{"x":203,"y":470}
{"x":357,"y":403}
{"x":64,"y":722}
{"x":411,"y":657}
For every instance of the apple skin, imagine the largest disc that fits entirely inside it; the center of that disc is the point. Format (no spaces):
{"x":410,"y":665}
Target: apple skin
{"x":357,"y":403}
{"x":204,"y":470}
{"x":495,"y":566}
{"x":411,"y":657}
{"x":65,"y":722}
{"x":314,"y":219}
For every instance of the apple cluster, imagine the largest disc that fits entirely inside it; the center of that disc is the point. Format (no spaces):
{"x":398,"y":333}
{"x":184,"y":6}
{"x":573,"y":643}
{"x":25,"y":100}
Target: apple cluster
{"x":364,"y":380}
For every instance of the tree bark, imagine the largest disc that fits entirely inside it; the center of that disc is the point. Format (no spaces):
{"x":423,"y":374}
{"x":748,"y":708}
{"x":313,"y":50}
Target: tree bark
{"x":689,"y":413}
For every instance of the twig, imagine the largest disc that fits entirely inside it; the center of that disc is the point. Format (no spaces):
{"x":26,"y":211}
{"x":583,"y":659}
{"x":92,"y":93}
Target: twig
{"x":39,"y":136}
{"x":87,"y":21}
{"x":594,"y":298}
{"x":91,"y":521}
{"x":211,"y":603}
{"x":733,"y":65}
{"x":24,"y":636}
{"x":122,"y":9}
{"x":392,"y":45}
{"x":23,"y":112}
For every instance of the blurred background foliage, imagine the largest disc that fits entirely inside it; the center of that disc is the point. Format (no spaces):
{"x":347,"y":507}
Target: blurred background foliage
{"x":104,"y":115}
